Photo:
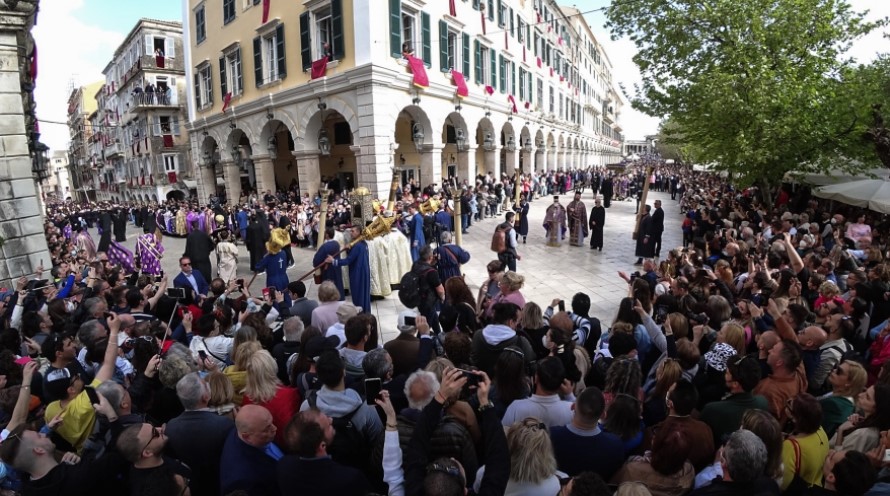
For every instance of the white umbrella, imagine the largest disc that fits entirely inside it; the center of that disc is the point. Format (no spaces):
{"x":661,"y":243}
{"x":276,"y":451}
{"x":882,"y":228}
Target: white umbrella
{"x":873,"y":194}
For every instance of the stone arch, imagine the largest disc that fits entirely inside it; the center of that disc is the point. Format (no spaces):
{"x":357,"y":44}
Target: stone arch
{"x":306,"y":130}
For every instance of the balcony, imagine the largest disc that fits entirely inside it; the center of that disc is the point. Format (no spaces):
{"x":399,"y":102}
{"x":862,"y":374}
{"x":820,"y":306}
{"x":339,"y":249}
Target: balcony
{"x":155,"y":99}
{"x":152,"y":63}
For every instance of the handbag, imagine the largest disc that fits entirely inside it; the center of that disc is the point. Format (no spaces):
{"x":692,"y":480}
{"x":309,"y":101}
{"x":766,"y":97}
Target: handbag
{"x":798,"y":485}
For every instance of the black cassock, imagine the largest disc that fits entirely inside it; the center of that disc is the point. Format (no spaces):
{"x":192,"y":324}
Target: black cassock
{"x":256,"y":243}
{"x":522,"y":211}
{"x":645,"y":244}
{"x":105,"y":238}
{"x":607,"y":192}
{"x":198,"y":246}
{"x":596,"y":223}
{"x":150,"y":222}
{"x":120,"y":225}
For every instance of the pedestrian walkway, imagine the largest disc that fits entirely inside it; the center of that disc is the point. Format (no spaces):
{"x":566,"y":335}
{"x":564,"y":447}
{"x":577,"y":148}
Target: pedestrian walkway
{"x":549,"y":272}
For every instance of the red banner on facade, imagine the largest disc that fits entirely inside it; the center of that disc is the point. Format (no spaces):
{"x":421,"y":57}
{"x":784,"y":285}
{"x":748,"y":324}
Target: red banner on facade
{"x":489,"y":89}
{"x":419,"y":71}
{"x":266,"y":10}
{"x":226,"y":100}
{"x":452,"y":9}
{"x":171,"y":177}
{"x":512,"y":102}
{"x":461,"y":83}
{"x":319,"y":68}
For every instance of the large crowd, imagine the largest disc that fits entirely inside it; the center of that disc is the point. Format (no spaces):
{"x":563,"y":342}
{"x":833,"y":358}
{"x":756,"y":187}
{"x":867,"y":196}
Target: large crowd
{"x":751,"y":360}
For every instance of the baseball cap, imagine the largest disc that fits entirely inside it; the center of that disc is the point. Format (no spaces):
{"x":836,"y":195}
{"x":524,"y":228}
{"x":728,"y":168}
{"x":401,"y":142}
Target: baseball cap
{"x":58,"y":381}
{"x":347,"y":311}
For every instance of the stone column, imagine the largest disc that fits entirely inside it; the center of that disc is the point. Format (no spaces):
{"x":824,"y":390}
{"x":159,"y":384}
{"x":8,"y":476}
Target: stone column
{"x":308,"y":173}
{"x":431,"y":165}
{"x":512,"y":162}
{"x":492,"y":163}
{"x":21,"y":221}
{"x":265,"y":173}
{"x":232,"y":177}
{"x":466,"y":167}
{"x":206,"y":180}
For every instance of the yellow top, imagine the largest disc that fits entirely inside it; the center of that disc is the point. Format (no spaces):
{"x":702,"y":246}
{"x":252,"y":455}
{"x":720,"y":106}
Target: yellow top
{"x":79,"y":418}
{"x":813,"y":450}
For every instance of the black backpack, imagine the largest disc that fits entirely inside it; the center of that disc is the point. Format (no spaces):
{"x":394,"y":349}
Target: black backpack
{"x":410,"y":288}
{"x":349,"y":446}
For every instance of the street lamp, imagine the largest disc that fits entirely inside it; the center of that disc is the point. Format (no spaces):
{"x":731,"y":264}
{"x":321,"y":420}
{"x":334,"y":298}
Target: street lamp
{"x":511,"y":143}
{"x":539,"y":142}
{"x":417,"y":134}
{"x":488,"y":142}
{"x":236,"y":155}
{"x":460,"y":139}
{"x":324,"y":144}
{"x":527,"y":146}
{"x":273,"y":148}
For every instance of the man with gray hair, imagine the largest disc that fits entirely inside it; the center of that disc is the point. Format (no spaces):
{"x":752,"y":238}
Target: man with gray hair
{"x":743,"y":462}
{"x":286,"y":352}
{"x":198,"y":432}
{"x":377,"y":364}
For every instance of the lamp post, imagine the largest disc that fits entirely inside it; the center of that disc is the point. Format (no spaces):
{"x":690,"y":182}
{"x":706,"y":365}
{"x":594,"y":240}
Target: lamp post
{"x":417,"y":134}
{"x":460,"y":139}
{"x":511,"y":143}
{"x":324,"y":143}
{"x":273,"y":148}
{"x":488,"y":142}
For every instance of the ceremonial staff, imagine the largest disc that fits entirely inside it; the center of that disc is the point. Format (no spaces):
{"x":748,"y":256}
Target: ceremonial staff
{"x":380,"y":227}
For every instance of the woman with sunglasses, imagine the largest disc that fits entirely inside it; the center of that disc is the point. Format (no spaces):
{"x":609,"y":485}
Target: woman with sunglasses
{"x":847,"y":381}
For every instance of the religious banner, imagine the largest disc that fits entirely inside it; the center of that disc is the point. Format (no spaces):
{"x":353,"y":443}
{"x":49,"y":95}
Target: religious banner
{"x":419,"y":70}
{"x":512,"y":102}
{"x":266,"y":10}
{"x":461,"y":83}
{"x":319,"y":68}
{"x":226,"y":100}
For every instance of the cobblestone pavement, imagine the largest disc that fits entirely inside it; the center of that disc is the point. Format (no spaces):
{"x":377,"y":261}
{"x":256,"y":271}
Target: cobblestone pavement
{"x":549,"y":272}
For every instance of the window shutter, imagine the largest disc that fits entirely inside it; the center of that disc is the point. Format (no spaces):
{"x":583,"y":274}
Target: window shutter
{"x":528,"y":35}
{"x":197,"y":89}
{"x":305,"y":42}
{"x":210,"y":84}
{"x":238,"y":71}
{"x":282,"y":57}
{"x":465,"y":38}
{"x":502,"y":74}
{"x":443,"y":47}
{"x":156,"y":131}
{"x":175,"y":125}
{"x":258,"y":61}
{"x":501,"y":13}
{"x":395,"y":28}
{"x":477,"y":47}
{"x":223,"y":86}
{"x":512,"y":23}
{"x":490,"y":10}
{"x":494,"y":68}
{"x":426,"y":37}
{"x":513,"y":77}
{"x":149,"y":45}
{"x":169,"y":47}
{"x":339,"y":46}
{"x":475,"y":4}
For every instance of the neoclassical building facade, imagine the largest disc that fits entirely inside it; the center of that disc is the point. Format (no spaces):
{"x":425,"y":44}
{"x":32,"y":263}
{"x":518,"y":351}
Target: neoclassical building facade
{"x":345,"y":92}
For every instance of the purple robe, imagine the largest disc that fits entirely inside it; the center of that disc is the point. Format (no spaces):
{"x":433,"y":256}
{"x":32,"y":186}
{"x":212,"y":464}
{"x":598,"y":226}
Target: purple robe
{"x":189,"y":221}
{"x":118,"y":254}
{"x":200,"y":219}
{"x":149,"y":252}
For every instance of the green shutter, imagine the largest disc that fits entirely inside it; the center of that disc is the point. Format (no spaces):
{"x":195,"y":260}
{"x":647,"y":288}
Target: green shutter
{"x":512,"y":23}
{"x":282,"y":56}
{"x":339,"y":45}
{"x":210,"y":84}
{"x":395,"y":28}
{"x":258,"y":61}
{"x":443,"y":47}
{"x":513,"y":76}
{"x":494,"y":68}
{"x":501,"y":13}
{"x":528,"y":35}
{"x":222,"y":77}
{"x":197,"y":89}
{"x":305,"y":42}
{"x":477,"y":47}
{"x":240,"y":72}
{"x":465,"y":38}
{"x":502,"y":74}
{"x":476,"y":4}
{"x":426,"y":36}
{"x":490,"y":10}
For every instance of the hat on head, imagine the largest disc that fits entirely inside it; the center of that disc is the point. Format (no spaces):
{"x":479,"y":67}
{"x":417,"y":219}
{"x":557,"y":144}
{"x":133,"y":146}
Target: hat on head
{"x":403,"y":327}
{"x":347,"y":311}
{"x":58,"y":381}
{"x":719,"y":354}
{"x":787,"y":216}
{"x":319,"y":344}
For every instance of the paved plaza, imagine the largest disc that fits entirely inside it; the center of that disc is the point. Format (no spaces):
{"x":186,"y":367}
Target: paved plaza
{"x":549,"y":272}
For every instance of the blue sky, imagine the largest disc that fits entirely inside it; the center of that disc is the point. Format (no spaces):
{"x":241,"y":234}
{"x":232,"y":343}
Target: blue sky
{"x":76,"y":39}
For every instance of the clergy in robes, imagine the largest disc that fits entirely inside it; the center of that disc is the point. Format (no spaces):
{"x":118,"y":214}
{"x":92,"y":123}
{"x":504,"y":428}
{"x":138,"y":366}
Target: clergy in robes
{"x":191,"y":219}
{"x":359,"y":264}
{"x":104,"y":230}
{"x":226,"y":257}
{"x":329,"y":248}
{"x":576,"y":213}
{"x":149,"y":221}
{"x":199,"y":216}
{"x":181,"y":223}
{"x":645,"y":245}
{"x":120,"y":225}
{"x":274,"y":263}
{"x":198,"y":246}
{"x":597,"y":222}
{"x":255,"y":241}
{"x":84,"y":243}
{"x":607,"y":191}
{"x":150,"y":250}
{"x":555,"y":222}
{"x":415,"y":228}
{"x":520,"y":223}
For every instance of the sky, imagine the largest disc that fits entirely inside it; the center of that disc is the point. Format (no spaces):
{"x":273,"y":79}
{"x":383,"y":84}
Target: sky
{"x":76,"y":39}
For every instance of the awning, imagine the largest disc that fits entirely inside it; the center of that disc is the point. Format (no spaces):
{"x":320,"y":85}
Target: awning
{"x":190,"y":184}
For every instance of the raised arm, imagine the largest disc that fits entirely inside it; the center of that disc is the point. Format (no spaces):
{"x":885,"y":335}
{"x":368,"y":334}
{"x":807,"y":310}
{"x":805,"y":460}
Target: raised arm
{"x":106,"y":371}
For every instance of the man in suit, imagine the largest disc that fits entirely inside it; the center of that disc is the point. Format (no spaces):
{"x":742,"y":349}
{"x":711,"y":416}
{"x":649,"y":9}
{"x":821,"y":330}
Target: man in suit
{"x":198,"y":246}
{"x":657,"y":228}
{"x":250,"y":455}
{"x":190,"y":279}
{"x":196,"y":432}
{"x":405,"y":348}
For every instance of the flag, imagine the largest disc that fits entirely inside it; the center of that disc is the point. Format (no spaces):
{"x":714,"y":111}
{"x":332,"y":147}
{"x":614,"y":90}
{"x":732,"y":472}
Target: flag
{"x":551,"y":72}
{"x":143,"y":180}
{"x":489,"y":89}
{"x":506,"y":41}
{"x":159,"y":61}
{"x":539,"y":16}
{"x":461,"y":83}
{"x":512,"y":102}
{"x":561,"y":79}
{"x":559,"y":40}
{"x":266,"y":10}
{"x":419,"y":70}
{"x":482,"y":13}
{"x":319,"y":68}
{"x":527,"y":105}
{"x":168,"y":141}
{"x":539,"y":62}
{"x":452,"y":9}
{"x":171,"y":177}
{"x":226,"y":100}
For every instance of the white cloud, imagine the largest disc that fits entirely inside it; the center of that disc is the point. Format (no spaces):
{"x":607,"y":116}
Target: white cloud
{"x":68,"y":49}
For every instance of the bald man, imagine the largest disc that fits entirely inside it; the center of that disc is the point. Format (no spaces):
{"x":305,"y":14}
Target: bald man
{"x":250,"y":455}
{"x":811,"y":340}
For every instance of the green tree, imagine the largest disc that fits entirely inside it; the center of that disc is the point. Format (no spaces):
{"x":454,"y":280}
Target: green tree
{"x":755,"y":86}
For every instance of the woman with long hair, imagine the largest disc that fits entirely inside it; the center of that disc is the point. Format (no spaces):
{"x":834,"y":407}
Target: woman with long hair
{"x":222,"y":394}
{"x":265,"y":389}
{"x":667,"y":374}
{"x":623,"y":419}
{"x":627,"y":315}
{"x":804,"y":451}
{"x":561,"y":345}
{"x":510,"y":382}
{"x":532,"y":462}
{"x":665,"y":469}
{"x":847,"y":379}
{"x":532,"y":324}
{"x":862,"y":432}
{"x":459,"y":297}
{"x":767,"y":428}
{"x":245,"y":345}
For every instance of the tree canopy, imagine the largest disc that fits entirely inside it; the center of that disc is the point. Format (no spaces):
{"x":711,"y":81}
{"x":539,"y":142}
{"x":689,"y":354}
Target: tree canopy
{"x":756,"y":87}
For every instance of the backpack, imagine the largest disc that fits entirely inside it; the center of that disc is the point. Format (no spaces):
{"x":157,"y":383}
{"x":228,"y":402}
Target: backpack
{"x":499,"y":239}
{"x":349,"y":446}
{"x":409,"y":288}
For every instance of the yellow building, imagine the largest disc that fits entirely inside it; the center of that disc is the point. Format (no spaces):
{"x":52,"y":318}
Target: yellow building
{"x":81,"y":105}
{"x":539,"y":92}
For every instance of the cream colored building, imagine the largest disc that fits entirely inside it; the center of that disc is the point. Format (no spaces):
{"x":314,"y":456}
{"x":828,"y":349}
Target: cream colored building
{"x":58,"y":182}
{"x":366,"y":116}
{"x":141,"y":148}
{"x":81,"y":105}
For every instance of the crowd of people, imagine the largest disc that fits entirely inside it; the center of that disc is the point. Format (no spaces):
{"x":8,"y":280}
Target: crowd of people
{"x":753,"y":359}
